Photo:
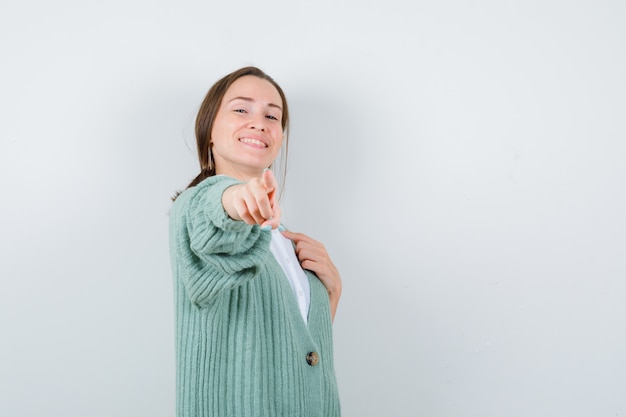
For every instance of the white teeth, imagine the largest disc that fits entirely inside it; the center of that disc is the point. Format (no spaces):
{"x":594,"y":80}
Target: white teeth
{"x":252,"y":141}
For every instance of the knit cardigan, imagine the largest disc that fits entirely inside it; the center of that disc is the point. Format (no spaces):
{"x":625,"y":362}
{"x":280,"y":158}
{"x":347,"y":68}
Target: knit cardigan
{"x":242,"y":346}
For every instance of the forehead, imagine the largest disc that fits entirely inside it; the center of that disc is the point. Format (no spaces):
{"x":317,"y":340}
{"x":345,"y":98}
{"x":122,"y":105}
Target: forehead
{"x":255,"y":88}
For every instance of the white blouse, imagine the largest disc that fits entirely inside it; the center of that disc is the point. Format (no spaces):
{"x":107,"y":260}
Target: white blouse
{"x":283,"y":250}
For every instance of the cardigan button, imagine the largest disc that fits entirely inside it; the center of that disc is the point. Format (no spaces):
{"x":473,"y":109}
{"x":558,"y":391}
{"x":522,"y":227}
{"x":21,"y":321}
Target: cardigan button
{"x":312,"y":358}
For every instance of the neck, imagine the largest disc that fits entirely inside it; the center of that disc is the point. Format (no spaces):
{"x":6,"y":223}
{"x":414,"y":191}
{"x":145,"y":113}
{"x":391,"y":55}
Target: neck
{"x":242,"y":174}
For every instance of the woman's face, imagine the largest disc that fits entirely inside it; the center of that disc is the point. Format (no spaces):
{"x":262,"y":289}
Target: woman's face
{"x":247,"y":132}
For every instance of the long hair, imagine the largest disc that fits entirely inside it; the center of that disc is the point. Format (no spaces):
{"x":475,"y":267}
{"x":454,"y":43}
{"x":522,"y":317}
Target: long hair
{"x":206,"y":117}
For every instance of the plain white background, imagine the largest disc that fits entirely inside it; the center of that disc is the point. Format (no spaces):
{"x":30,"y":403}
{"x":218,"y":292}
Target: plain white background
{"x":462,"y":161}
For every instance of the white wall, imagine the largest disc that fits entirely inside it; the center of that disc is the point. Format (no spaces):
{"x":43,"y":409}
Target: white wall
{"x":462,"y":161}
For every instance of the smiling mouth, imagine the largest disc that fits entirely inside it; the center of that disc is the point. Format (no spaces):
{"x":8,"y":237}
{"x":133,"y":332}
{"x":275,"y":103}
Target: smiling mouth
{"x":254,"y":142}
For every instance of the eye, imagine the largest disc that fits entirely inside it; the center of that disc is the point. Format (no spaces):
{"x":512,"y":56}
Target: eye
{"x":240,"y":110}
{"x":271,"y":117}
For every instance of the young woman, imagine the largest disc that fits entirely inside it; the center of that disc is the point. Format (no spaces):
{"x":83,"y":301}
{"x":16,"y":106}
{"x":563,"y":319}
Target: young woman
{"x":254,"y":302}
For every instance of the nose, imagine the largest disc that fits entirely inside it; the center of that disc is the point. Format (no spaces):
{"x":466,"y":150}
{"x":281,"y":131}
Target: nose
{"x":258,"y":123}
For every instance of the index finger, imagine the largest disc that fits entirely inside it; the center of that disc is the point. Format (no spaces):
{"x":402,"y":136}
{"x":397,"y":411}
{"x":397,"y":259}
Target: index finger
{"x":268,"y":180}
{"x":296,"y":237}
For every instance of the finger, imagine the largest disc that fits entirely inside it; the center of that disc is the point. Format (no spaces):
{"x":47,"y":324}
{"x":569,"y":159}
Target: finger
{"x":311,"y":266}
{"x":274,"y":221}
{"x":310,"y":253}
{"x":295,"y":237}
{"x":303,"y":242}
{"x":242,"y":210}
{"x":259,"y":215}
{"x":258,"y":201}
{"x":269,"y":181}
{"x":276,"y":216}
{"x":251,"y":202}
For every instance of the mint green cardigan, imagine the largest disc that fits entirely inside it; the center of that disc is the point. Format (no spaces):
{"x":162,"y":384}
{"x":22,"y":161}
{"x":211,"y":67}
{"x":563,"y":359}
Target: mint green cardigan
{"x":242,"y":347}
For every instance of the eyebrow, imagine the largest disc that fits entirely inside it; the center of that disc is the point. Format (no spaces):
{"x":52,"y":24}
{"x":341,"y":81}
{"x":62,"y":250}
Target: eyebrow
{"x":251,"y":100}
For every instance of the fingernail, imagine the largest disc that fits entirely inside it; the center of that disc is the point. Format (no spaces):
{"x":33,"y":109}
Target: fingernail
{"x":281,"y":228}
{"x":266,"y":228}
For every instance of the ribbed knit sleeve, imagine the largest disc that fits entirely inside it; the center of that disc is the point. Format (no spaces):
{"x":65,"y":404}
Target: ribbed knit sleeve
{"x":216,"y":252}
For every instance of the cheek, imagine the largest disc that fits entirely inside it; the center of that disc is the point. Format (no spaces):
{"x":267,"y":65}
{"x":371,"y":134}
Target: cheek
{"x":221,"y":129}
{"x":279,"y":136}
